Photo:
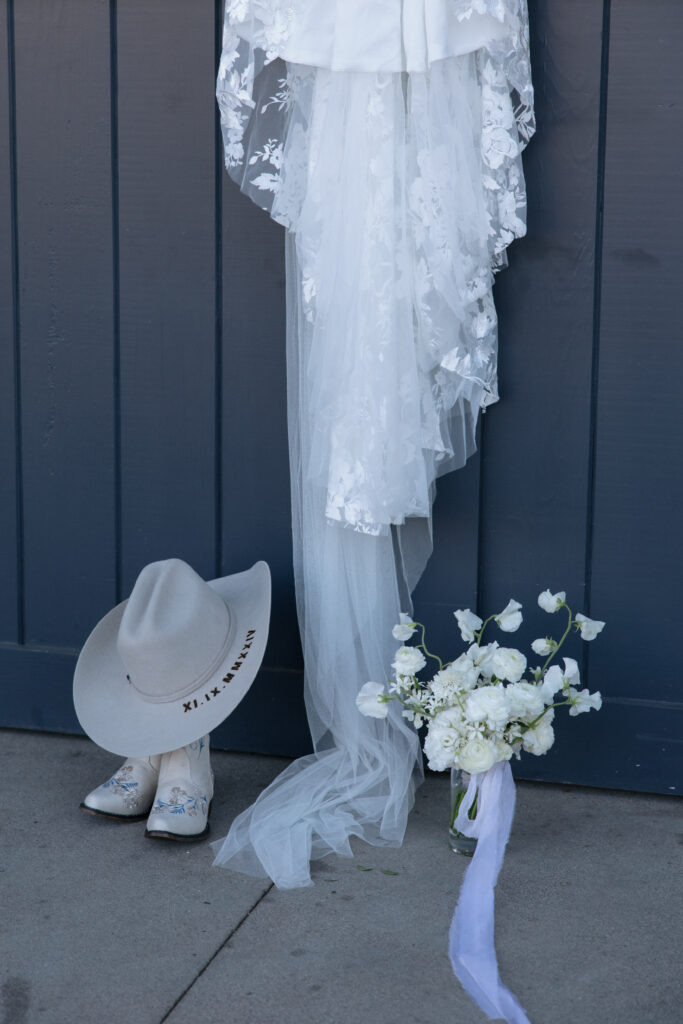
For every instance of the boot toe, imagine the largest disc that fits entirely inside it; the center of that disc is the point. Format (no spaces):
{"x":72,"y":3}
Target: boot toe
{"x":128,"y":794}
{"x":179,"y":815}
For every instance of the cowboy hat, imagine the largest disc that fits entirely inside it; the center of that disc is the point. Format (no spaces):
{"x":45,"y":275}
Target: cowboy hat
{"x":169,"y":664}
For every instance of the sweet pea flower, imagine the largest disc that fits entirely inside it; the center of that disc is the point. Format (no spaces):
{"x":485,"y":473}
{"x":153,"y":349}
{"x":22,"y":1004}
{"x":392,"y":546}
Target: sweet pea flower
{"x":552,"y":683}
{"x":555,"y":679}
{"x":551,"y":602}
{"x":482,"y":657}
{"x":543,"y":646}
{"x":468,"y":623}
{"x":404,"y":629}
{"x":510,"y":619}
{"x":582,"y":700}
{"x":570,"y":675}
{"x":589,"y":627}
{"x":372,"y":701}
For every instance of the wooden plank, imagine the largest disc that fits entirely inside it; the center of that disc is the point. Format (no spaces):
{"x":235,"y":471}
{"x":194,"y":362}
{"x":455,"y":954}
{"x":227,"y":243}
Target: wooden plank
{"x":65,"y":277}
{"x":255,"y":459}
{"x":635,"y":746}
{"x":40,"y":694}
{"x":167,"y":283}
{"x":450,"y":579}
{"x":9,"y":596}
{"x":638,"y":550}
{"x":535,"y":463}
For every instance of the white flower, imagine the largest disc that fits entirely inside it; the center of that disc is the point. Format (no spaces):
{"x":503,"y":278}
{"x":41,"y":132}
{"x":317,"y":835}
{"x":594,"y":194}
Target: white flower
{"x":404,"y":630}
{"x":371,"y":701}
{"x":503,"y":751}
{"x":510,"y":619}
{"x":582,"y":700}
{"x":509,"y":664}
{"x":589,"y":627}
{"x":551,"y":602}
{"x":571,"y":674}
{"x":540,"y":739}
{"x":483,"y":657}
{"x":469,"y":623}
{"x":409,"y":661}
{"x":478,"y":755}
{"x":442,"y":735}
{"x":543,"y":647}
{"x":525,"y":700}
{"x":488,"y":704}
{"x":552,"y":682}
{"x":556,"y":679}
{"x":461,"y":675}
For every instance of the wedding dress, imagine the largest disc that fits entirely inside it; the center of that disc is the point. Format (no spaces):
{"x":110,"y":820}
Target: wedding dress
{"x":386,"y":136}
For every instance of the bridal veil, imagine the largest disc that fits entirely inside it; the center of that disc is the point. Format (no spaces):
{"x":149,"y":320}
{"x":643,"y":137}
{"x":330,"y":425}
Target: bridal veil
{"x":386,"y":136}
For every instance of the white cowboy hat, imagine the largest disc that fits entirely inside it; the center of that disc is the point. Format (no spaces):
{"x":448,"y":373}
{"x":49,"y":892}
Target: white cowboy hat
{"x":169,"y":664}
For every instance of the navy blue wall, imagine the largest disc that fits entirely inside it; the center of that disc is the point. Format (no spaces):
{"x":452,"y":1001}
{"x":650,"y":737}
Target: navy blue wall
{"x":142,"y":374}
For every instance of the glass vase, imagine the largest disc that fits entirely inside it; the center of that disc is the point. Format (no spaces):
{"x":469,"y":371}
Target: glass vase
{"x":458,"y":842}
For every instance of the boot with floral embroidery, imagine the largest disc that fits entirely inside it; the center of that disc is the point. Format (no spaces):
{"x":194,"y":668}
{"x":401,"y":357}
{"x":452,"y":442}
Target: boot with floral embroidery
{"x":183,"y":797}
{"x":128,"y":794}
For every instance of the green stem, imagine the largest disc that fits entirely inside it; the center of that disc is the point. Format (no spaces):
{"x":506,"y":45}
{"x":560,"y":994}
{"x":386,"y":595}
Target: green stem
{"x":564,"y":637}
{"x":424,"y":648}
{"x":483,"y":627}
{"x":471,"y":814}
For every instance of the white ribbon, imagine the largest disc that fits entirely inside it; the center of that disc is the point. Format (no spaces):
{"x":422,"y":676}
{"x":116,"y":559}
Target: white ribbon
{"x":471,"y":946}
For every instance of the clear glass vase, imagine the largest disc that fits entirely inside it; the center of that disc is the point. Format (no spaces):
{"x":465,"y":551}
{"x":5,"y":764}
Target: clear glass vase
{"x":458,"y":842}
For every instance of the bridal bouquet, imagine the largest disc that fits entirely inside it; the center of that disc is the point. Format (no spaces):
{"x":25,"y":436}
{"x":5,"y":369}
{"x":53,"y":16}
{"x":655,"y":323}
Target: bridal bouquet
{"x":479,"y":708}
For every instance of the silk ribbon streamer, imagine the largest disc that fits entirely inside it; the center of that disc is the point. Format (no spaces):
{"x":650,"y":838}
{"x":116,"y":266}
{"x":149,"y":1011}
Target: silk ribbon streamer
{"x":471,"y":938}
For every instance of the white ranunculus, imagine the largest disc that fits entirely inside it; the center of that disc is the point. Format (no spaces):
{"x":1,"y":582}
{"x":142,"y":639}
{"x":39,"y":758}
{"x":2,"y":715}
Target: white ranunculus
{"x":371,"y":701}
{"x":443,"y":734}
{"x":451,"y":718}
{"x":551,"y":602}
{"x":509,"y":664}
{"x":482,"y":657}
{"x":552,"y":682}
{"x":404,"y":629}
{"x":510,"y":619}
{"x":469,"y":623}
{"x":542,"y":647}
{"x":488,"y":704}
{"x":478,"y":755}
{"x":540,"y":739}
{"x":525,"y":700}
{"x":439,"y":754}
{"x":589,"y":627}
{"x":408,"y":661}
{"x":582,"y":701}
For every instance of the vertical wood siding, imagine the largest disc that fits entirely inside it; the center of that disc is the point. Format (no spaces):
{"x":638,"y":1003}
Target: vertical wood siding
{"x":142,"y":367}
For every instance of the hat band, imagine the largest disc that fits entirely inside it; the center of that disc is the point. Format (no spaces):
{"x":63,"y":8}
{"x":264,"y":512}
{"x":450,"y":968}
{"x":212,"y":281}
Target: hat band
{"x":167,"y":698}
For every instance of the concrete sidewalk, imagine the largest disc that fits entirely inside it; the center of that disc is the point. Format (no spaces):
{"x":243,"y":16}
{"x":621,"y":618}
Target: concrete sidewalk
{"x":101,"y":926}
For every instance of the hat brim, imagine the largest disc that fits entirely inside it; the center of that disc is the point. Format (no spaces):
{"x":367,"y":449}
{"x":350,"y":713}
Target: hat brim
{"x":116,"y":716}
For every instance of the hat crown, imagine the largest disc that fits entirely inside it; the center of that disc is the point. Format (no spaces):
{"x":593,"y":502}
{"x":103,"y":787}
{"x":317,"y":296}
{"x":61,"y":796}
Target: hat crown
{"x":174,"y":631}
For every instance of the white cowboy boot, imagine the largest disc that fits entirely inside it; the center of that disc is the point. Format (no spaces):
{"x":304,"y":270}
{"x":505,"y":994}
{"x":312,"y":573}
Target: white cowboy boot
{"x":183,"y":798}
{"x":128,"y":794}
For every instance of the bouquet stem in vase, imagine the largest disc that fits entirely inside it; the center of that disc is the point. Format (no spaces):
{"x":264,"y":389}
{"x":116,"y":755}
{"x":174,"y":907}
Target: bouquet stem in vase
{"x":458,"y":842}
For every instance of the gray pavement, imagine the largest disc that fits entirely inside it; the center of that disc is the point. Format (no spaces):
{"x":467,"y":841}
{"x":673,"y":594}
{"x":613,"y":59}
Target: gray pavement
{"x":101,"y":926}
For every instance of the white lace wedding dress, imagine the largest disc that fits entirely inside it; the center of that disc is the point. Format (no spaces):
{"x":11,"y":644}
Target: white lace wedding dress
{"x":386,"y":136}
